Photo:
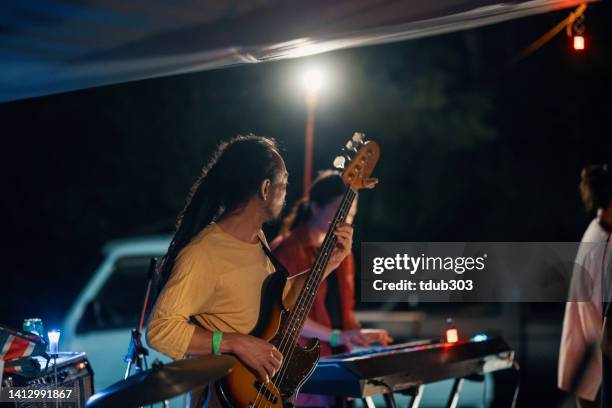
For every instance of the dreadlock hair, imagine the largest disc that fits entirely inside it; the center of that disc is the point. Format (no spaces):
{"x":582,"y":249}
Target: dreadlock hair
{"x":596,"y":186}
{"x":232,"y":176}
{"x":327,"y":186}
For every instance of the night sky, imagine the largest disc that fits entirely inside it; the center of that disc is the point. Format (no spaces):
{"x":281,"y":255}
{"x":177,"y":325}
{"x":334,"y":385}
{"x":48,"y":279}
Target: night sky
{"x":477,"y":145}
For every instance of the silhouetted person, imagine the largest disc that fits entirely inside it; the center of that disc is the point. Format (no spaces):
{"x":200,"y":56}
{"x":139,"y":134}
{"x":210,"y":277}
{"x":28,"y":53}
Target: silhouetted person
{"x":582,"y":324}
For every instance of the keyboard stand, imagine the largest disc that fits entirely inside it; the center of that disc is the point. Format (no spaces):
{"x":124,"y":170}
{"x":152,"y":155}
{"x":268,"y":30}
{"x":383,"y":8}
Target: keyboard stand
{"x":417,"y":394}
{"x":453,"y":398}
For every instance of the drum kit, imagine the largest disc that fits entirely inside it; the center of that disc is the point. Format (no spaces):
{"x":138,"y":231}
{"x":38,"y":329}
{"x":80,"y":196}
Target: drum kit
{"x":163,"y":382}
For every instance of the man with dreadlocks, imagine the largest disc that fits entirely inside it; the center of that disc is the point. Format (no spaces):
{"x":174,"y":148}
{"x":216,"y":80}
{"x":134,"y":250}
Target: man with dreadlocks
{"x":215,"y":267}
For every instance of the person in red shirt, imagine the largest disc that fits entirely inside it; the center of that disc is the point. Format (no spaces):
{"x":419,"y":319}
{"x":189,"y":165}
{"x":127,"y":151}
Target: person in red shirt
{"x":331,"y":318}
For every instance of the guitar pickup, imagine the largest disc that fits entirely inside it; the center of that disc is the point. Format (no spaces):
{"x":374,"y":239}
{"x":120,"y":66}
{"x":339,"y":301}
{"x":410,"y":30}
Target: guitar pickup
{"x":269,"y":395}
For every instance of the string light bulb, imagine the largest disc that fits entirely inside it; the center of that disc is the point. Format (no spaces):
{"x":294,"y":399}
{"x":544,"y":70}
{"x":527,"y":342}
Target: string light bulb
{"x":575,"y":30}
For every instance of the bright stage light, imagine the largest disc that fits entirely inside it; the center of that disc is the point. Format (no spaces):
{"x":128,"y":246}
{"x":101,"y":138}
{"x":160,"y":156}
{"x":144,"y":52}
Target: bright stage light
{"x":313,"y":79}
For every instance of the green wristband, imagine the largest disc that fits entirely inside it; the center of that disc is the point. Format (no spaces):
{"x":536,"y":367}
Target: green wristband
{"x":216,"y":342}
{"x":334,"y":338}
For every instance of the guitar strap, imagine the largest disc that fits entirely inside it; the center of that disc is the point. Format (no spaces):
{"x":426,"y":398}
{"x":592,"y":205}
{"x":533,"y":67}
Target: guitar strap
{"x":279,"y":267}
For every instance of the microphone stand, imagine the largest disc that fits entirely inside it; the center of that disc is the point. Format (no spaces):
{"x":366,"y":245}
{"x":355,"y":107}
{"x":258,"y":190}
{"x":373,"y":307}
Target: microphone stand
{"x":136,"y":356}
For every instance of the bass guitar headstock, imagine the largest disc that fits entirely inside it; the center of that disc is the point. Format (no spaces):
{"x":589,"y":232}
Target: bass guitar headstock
{"x":358,"y":161}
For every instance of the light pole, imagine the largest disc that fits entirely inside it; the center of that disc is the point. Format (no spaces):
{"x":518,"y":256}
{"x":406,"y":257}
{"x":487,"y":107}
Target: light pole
{"x":312,"y":82}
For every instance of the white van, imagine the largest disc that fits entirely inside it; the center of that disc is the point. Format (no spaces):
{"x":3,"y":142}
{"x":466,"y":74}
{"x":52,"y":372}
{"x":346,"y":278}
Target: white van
{"x":102,"y":316}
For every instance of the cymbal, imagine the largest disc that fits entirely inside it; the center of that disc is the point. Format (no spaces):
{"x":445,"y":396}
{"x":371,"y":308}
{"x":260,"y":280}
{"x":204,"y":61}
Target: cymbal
{"x":163,"y":381}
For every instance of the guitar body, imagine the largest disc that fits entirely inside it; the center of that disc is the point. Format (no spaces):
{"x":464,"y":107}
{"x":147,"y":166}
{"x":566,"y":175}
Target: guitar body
{"x":241,"y":388}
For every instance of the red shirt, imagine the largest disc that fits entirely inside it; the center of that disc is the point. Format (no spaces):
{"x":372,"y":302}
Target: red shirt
{"x":296,"y":252}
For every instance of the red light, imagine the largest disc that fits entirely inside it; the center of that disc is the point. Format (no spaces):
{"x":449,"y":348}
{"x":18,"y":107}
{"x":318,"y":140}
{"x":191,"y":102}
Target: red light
{"x":578,"y":42}
{"x":452,"y":336}
{"x":80,"y":365}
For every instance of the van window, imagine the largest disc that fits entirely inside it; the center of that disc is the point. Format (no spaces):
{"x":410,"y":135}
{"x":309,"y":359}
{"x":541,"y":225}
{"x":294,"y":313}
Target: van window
{"x":118,"y":304}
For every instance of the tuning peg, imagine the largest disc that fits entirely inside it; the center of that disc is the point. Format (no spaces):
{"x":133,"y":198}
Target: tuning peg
{"x":350,"y":146}
{"x":339,"y":162}
{"x":358,"y":138}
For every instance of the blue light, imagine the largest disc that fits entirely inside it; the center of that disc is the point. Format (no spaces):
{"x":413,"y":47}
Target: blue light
{"x":480,"y":337}
{"x":54,"y":336}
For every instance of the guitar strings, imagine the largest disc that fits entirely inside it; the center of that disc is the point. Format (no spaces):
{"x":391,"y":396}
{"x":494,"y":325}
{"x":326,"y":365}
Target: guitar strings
{"x":289,"y":339}
{"x":318,"y":270}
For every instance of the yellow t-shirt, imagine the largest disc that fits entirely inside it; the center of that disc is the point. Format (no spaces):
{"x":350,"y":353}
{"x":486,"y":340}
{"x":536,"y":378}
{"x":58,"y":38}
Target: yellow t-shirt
{"x":217,"y":279}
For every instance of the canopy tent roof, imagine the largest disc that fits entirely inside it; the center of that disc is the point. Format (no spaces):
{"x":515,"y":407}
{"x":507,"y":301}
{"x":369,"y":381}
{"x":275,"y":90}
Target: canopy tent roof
{"x":51,"y":46}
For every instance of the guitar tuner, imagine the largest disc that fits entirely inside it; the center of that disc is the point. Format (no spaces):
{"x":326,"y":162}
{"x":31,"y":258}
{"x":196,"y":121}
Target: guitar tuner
{"x":350,"y":145}
{"x":339,"y":162}
{"x":358,"y":137}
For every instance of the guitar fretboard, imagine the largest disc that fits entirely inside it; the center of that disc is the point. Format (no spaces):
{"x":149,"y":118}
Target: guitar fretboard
{"x":308,"y":293}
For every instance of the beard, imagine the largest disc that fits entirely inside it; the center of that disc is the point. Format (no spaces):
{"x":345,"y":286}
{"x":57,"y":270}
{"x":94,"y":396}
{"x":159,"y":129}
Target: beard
{"x":273,"y":213}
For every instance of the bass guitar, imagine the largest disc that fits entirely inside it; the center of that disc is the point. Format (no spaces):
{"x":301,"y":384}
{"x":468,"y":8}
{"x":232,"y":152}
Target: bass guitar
{"x":280,"y":326}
